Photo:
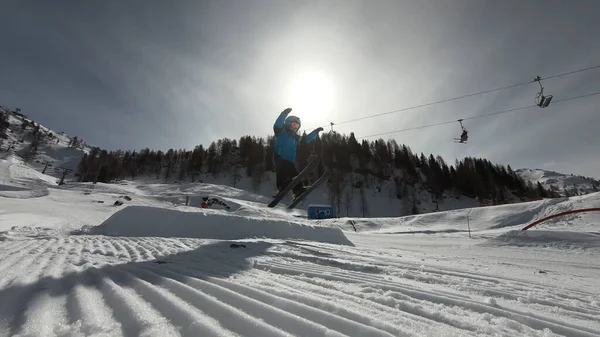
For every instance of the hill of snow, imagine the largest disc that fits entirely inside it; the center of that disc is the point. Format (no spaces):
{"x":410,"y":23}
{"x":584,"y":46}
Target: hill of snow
{"x":563,"y":183}
{"x":53,"y":148}
{"x":489,"y":219}
{"x":73,"y":264}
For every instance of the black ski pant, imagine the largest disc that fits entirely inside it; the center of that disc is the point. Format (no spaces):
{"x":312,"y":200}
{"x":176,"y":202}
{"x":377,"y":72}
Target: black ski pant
{"x":286,"y":171}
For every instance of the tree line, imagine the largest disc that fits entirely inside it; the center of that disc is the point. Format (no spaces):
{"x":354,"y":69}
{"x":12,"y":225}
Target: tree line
{"x":4,"y":124}
{"x":354,"y":163}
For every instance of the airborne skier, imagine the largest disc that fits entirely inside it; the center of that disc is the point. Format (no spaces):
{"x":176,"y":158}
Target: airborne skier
{"x":286,"y":143}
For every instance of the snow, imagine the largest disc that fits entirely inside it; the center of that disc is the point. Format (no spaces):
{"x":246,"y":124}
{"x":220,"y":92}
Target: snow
{"x":381,"y":202}
{"x":488,"y":219}
{"x":75,"y":265}
{"x":562,"y":240}
{"x":55,"y":151}
{"x":562,"y":182}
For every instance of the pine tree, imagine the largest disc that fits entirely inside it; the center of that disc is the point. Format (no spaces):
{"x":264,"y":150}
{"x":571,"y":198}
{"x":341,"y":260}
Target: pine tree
{"x":435,"y":180}
{"x":541,"y":192}
{"x":236,"y":175}
{"x":270,"y":146}
{"x":4,"y":124}
{"x":82,"y":167}
{"x":168,"y":164}
{"x":531,"y":191}
{"x":257,"y":175}
{"x":182,"y":170}
{"x":212,"y":158}
{"x":364,"y":204}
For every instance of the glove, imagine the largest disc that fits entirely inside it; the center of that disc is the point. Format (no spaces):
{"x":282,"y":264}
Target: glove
{"x":286,"y":111}
{"x":319,"y":129}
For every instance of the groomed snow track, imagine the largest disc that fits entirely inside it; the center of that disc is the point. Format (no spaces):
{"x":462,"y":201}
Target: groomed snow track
{"x":54,"y":284}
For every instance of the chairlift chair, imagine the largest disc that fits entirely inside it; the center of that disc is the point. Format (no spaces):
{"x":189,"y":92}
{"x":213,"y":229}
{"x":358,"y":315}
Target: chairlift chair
{"x":464,"y":136}
{"x":541,"y":100}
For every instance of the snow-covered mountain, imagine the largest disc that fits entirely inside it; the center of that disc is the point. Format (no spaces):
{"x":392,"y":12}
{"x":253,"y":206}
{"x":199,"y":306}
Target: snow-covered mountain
{"x":565,"y":184}
{"x":37,"y":145}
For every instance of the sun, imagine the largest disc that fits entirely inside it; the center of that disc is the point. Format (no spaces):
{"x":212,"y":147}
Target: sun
{"x":311,"y":97}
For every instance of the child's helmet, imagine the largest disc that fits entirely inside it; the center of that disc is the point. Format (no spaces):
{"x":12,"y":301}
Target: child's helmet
{"x":292,"y":123}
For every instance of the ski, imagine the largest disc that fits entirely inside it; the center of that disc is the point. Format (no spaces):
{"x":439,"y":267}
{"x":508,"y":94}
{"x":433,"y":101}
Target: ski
{"x":321,"y":179}
{"x":297,"y":179}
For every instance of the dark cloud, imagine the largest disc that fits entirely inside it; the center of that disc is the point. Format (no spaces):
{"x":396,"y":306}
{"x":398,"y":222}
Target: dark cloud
{"x":131,"y":74}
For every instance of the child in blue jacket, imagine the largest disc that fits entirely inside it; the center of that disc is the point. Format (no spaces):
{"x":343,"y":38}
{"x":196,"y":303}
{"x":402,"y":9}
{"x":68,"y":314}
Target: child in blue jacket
{"x":284,"y":154}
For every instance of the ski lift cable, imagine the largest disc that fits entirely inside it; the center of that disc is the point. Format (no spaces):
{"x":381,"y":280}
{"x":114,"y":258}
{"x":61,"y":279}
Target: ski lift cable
{"x":478,"y":116}
{"x":464,"y":96}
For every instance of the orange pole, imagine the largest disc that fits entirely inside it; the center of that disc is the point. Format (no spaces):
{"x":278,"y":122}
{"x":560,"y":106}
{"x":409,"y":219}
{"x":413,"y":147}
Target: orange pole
{"x":559,"y":215}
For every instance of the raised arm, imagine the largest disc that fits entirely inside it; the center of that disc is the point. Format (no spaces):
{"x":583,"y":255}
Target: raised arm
{"x":278,"y":126}
{"x":311,"y":136}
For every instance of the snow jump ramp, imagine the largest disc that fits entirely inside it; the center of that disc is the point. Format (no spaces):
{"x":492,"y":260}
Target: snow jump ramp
{"x":144,"y":221}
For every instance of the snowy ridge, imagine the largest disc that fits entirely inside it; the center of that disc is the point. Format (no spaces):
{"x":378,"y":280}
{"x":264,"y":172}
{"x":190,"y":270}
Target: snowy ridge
{"x":573,"y":184}
{"x":54,"y":150}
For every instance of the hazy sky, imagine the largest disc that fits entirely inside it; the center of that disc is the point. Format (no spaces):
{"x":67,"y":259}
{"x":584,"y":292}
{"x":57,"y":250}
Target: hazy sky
{"x":162,"y":74}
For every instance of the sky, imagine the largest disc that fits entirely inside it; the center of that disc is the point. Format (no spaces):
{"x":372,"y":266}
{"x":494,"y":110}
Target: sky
{"x":175,"y":74}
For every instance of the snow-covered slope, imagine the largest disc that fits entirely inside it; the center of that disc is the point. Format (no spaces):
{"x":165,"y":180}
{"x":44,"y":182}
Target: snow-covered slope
{"x":75,"y":265}
{"x":485,"y":219}
{"x":18,"y":180}
{"x":573,"y":184}
{"x":377,"y":202}
{"x":52,"y":147}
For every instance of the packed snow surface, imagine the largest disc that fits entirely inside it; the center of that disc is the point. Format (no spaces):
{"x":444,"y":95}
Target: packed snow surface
{"x":75,"y":265}
{"x":547,"y":239}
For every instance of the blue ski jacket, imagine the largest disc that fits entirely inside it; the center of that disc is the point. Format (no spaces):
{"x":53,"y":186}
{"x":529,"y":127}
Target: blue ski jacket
{"x":286,"y":142}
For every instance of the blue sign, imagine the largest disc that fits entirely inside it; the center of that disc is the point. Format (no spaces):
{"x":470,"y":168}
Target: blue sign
{"x":320,"y":212}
